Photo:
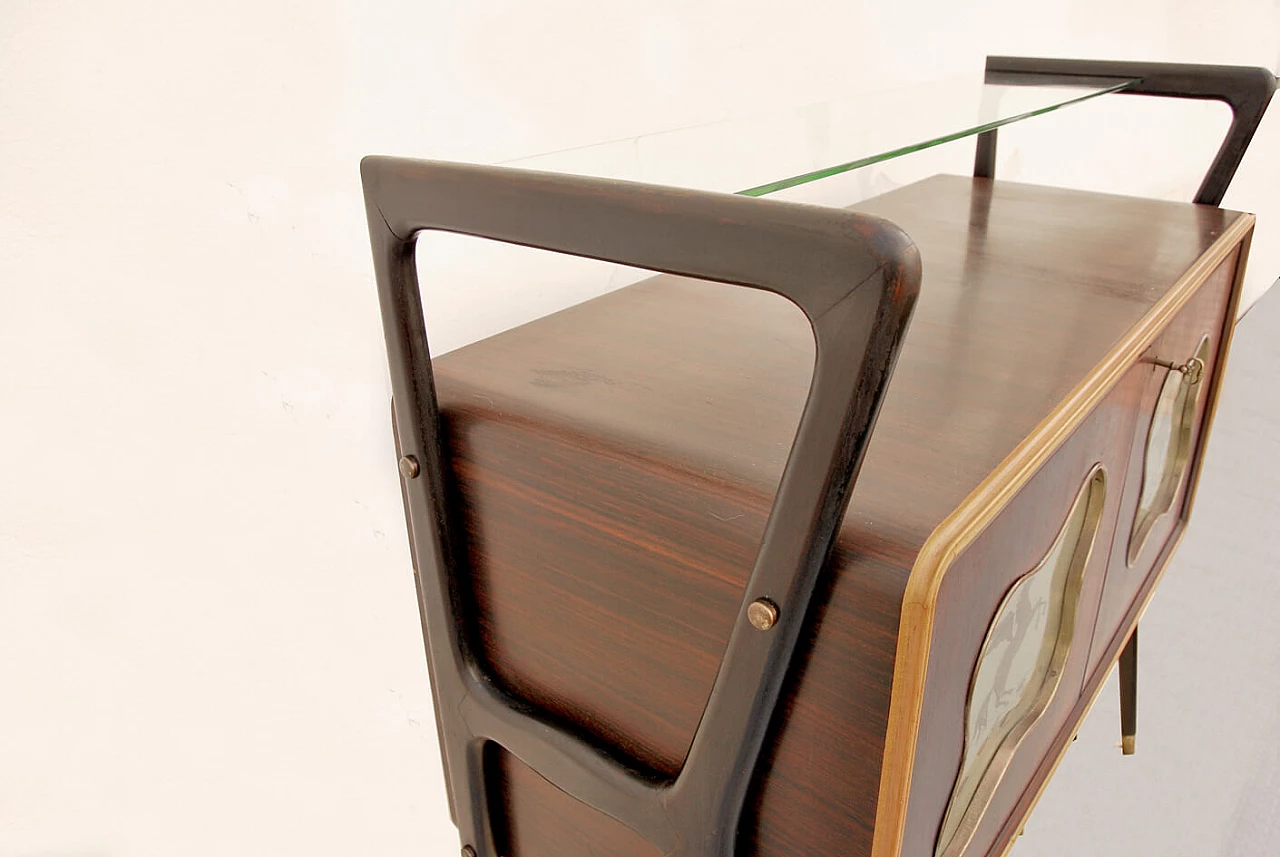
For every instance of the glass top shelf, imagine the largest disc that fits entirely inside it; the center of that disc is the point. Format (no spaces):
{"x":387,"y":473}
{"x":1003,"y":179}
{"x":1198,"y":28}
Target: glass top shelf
{"x":763,"y":154}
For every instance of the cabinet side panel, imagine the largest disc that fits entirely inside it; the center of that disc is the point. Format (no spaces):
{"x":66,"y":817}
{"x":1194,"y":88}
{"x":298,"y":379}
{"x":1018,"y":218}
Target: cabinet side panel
{"x":603,"y":585}
{"x":817,"y":786}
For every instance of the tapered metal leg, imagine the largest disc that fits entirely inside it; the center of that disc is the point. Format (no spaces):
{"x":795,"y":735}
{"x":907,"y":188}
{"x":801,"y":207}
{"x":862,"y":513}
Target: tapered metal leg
{"x":1129,"y":695}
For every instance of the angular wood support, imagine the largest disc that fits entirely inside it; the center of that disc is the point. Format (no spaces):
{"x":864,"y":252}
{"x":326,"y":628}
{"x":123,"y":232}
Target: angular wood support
{"x":984,"y":157}
{"x":854,"y":276}
{"x":1245,"y":90}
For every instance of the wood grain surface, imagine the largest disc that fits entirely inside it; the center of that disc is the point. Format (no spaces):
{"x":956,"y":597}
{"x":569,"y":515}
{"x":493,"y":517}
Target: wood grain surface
{"x":1204,"y":315}
{"x":616,"y":462}
{"x":973,"y":588}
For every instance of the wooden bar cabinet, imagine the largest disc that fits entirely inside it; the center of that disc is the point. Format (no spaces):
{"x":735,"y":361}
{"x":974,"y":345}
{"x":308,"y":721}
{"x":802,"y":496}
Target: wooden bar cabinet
{"x":823,"y":539}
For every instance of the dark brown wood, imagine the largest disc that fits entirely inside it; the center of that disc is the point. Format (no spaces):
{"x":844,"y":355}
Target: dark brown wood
{"x":591,"y":569}
{"x":1245,"y":89}
{"x":984,"y":156}
{"x":539,"y":820}
{"x":617,"y":461}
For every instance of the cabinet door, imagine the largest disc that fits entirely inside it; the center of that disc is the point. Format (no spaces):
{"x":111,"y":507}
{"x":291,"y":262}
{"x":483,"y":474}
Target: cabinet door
{"x":1012,"y":635}
{"x":1176,"y":375}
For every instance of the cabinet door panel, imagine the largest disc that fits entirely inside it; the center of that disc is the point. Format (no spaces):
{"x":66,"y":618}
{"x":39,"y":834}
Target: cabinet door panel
{"x":1175,"y":374}
{"x":962,"y":791}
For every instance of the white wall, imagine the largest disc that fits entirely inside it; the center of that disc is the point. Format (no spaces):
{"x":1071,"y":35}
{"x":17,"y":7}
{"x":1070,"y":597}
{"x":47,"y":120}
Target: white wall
{"x":208,"y":638}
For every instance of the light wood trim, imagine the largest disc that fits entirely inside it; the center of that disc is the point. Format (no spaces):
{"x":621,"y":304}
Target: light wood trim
{"x":961,"y":527}
{"x":1219,"y":372}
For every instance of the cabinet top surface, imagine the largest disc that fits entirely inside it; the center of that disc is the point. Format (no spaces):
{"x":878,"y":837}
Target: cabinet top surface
{"x":1025,"y":290}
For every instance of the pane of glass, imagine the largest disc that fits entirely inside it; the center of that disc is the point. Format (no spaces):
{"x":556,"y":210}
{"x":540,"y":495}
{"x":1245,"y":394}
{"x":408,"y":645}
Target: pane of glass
{"x":763,"y":154}
{"x":1168,"y":448}
{"x":1160,"y":441}
{"x":1020,"y":665}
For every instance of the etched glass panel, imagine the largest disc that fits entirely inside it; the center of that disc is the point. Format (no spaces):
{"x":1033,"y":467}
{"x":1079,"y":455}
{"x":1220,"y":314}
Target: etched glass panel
{"x":1160,"y":439}
{"x":1021,"y":664}
{"x":1168,"y":447}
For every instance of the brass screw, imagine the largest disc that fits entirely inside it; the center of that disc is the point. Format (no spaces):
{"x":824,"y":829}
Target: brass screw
{"x":468,"y":851}
{"x":762,"y":613}
{"x":409,"y":468}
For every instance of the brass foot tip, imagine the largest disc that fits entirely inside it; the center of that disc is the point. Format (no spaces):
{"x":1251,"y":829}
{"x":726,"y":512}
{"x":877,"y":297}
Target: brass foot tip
{"x":1126,"y":744}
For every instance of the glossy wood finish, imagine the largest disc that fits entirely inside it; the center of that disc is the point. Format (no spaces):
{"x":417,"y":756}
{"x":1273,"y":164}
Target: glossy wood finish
{"x":616,"y":462}
{"x":971,"y":591}
{"x":603,"y":572}
{"x":1042,"y":447}
{"x":1204,"y":314}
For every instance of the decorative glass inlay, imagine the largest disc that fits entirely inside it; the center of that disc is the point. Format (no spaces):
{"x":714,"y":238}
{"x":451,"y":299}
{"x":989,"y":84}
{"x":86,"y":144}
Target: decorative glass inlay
{"x":1021,"y":663}
{"x":1168,"y":448}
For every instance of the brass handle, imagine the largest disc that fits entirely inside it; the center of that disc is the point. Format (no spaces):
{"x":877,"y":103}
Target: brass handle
{"x":1168,"y":443}
{"x":1192,"y":370}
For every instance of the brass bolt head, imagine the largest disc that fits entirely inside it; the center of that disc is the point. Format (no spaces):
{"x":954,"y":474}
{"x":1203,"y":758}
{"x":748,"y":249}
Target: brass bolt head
{"x":762,"y":613}
{"x":409,"y":468}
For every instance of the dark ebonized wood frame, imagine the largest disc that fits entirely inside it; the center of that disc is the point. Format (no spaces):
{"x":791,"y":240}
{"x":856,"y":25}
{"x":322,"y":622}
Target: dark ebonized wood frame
{"x":854,"y":276}
{"x":1246,"y":90}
